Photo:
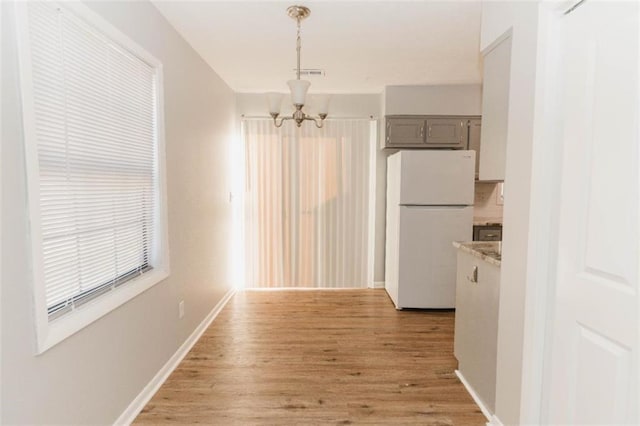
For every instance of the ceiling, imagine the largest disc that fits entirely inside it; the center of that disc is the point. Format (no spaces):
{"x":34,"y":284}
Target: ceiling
{"x":362,"y":46}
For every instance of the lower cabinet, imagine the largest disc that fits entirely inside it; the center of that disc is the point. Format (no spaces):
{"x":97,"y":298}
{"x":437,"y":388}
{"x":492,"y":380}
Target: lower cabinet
{"x":476,"y":325}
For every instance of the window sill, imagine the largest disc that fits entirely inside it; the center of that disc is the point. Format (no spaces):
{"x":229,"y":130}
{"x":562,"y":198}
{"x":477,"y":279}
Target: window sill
{"x":54,"y":332}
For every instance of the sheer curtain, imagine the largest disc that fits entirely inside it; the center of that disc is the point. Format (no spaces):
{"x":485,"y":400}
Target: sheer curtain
{"x":307,"y":203}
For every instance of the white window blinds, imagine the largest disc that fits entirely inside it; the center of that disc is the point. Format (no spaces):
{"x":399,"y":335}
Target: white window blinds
{"x":95,"y":116}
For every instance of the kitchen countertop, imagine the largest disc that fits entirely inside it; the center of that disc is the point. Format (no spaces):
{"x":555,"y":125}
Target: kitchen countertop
{"x":489,"y":251}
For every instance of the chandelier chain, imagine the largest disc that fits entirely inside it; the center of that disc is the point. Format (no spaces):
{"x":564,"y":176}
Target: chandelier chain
{"x":298,"y":87}
{"x":298,"y":48}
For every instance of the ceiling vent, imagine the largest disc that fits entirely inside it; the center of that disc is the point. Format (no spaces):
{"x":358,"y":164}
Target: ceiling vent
{"x":312,"y":72}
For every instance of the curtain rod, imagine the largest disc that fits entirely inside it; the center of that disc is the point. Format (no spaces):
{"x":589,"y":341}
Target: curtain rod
{"x":264,"y":117}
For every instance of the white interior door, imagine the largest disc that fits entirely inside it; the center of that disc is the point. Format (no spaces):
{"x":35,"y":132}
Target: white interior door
{"x":594,"y":349}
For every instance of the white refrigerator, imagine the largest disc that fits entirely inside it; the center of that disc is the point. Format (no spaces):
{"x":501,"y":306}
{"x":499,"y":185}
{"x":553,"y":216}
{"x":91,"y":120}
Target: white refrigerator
{"x":429,"y":205}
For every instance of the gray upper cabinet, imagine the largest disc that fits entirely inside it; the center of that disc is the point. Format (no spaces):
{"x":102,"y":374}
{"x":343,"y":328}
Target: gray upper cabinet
{"x":427,"y":132}
{"x":446,"y":133}
{"x":495,"y":111}
{"x":403,"y":132}
{"x":475,"y":128}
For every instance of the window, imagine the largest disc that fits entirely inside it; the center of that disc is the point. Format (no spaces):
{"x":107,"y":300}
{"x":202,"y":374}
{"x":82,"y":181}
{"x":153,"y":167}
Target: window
{"x":308,"y":204}
{"x":93,"y":137}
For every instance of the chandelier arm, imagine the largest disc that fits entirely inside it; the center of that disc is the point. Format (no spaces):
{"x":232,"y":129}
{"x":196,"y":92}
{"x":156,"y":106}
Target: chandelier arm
{"x":319,"y":121}
{"x":282,"y":119}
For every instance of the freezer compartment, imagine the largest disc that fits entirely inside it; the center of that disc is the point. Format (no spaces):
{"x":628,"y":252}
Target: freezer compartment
{"x":426,"y":273}
{"x":433,"y":177}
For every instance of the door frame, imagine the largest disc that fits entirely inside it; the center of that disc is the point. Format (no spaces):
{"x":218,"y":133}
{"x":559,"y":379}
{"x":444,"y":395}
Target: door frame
{"x":545,"y":204}
{"x":374,"y":125}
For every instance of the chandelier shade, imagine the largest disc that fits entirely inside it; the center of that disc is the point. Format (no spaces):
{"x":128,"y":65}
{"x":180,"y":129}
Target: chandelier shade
{"x":321,"y":103}
{"x":298,"y":90}
{"x":274,"y":101}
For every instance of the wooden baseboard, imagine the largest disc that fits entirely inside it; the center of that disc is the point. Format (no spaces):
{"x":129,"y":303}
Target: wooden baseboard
{"x":132,"y":411}
{"x":378,"y":284}
{"x":476,"y":398}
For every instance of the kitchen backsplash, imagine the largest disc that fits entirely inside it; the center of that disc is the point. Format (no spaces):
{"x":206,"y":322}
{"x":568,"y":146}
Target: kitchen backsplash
{"x":488,"y":202}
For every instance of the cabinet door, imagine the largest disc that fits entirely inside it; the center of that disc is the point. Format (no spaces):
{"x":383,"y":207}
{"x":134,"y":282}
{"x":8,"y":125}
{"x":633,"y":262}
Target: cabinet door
{"x":476,"y":325}
{"x":489,"y":235}
{"x":495,"y":111}
{"x":405,"y":132}
{"x":463,"y":328}
{"x":475,"y":126}
{"x":446,"y":133}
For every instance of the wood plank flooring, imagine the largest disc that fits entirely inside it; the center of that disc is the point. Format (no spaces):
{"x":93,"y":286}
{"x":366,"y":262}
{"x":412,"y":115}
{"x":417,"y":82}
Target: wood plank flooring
{"x":318,"y":357}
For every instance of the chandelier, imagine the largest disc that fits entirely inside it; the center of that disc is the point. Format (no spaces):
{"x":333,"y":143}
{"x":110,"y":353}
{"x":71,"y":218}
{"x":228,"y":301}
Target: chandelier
{"x":297,"y":87}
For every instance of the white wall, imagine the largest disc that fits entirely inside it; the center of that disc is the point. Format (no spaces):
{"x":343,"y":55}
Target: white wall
{"x":91,"y":377}
{"x":455,"y":99}
{"x":522,"y":19}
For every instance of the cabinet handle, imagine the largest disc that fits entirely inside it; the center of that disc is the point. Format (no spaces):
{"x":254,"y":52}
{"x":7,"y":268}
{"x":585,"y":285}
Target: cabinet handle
{"x":422,"y":131}
{"x":474,"y":275}
{"x":429,"y":134}
{"x":490,"y":235}
{"x":461,"y":129}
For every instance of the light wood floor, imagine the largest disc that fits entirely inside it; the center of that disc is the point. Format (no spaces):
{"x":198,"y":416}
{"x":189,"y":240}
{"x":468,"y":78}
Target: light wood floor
{"x":318,"y":357}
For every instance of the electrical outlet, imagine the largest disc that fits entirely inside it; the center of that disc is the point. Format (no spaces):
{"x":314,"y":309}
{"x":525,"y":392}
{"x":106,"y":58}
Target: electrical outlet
{"x":181,"y":309}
